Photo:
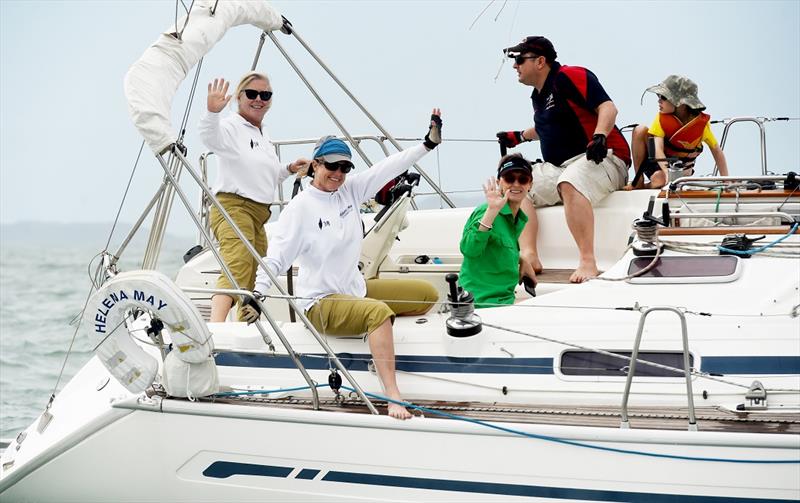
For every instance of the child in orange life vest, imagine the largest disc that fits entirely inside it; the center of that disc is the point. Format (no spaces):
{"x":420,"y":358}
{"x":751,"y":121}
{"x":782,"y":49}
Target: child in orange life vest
{"x":679,"y":130}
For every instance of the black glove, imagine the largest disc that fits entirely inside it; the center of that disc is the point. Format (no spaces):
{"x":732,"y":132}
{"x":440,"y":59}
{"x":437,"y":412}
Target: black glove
{"x":434,"y":136}
{"x":250,"y":310}
{"x":287,"y":26}
{"x":510,"y":139}
{"x":596,"y":150}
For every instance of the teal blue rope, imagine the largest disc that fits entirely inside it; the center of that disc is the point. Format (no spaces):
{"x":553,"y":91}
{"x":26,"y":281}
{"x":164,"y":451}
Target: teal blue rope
{"x":265,"y":392}
{"x":525,"y":434}
{"x":574,"y":443}
{"x":762,"y":248}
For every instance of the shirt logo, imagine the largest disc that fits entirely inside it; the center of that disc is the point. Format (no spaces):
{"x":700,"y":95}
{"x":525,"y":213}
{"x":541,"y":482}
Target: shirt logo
{"x":253,"y":144}
{"x":346,"y":211}
{"x":550,"y":102}
{"x":323,"y":223}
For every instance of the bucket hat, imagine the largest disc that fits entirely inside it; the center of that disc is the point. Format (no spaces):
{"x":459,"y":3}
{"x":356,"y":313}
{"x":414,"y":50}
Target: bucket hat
{"x":679,"y":90}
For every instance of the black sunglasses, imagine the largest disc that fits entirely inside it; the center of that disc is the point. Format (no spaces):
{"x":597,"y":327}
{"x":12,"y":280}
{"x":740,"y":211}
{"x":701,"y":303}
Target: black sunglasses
{"x":252,"y":93}
{"x":343,"y":166}
{"x":511,"y":176}
{"x":520,"y":59}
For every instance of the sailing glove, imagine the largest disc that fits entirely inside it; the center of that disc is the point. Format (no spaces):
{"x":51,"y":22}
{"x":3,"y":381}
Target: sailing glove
{"x":596,"y":150}
{"x":250,"y":310}
{"x":510,"y":139}
{"x":434,"y":136}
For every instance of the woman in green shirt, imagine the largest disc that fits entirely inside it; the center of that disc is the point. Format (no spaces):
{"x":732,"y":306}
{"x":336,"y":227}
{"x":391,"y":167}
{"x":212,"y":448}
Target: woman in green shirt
{"x":490,"y":270}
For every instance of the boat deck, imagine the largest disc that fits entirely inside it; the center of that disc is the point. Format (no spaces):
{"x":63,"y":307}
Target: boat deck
{"x":708,"y":418}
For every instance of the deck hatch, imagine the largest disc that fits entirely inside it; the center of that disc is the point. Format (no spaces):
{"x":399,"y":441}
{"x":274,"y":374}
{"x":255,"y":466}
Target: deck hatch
{"x":687,"y":269}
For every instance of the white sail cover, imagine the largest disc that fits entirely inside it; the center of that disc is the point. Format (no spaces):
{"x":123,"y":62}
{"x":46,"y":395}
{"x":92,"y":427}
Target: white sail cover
{"x":153,"y":80}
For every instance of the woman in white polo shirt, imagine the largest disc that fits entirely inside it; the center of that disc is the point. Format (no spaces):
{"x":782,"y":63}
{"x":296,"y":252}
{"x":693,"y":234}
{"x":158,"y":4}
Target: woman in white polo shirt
{"x":321,"y":231}
{"x":249,"y":170}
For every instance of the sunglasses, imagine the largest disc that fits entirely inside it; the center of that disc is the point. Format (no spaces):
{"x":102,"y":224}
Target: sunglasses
{"x":252,"y":93}
{"x":662,"y":97}
{"x":511,"y":176}
{"x":343,"y":166}
{"x":521,"y":59}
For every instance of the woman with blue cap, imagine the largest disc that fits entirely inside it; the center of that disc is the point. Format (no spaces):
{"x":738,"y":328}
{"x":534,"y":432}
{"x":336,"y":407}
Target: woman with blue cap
{"x":321,"y":231}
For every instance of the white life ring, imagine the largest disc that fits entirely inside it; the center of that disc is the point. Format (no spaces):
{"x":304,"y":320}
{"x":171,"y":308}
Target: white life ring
{"x":153,"y":292}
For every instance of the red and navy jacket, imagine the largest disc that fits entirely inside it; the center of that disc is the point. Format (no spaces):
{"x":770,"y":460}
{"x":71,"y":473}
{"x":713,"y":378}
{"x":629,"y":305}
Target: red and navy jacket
{"x":564,"y":115}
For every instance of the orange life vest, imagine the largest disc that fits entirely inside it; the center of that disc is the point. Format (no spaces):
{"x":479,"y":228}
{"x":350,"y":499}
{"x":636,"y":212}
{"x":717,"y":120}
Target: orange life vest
{"x":683,"y":140}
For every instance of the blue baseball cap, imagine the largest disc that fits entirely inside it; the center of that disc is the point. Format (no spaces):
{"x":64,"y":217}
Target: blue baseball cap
{"x":332,"y":149}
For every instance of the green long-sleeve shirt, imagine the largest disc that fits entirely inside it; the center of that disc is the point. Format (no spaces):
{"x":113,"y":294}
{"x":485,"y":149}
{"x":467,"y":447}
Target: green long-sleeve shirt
{"x":490,"y":270}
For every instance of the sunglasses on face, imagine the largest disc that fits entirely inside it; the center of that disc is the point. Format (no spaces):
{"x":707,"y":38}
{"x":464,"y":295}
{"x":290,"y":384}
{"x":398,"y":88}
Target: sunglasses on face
{"x":252,"y":93}
{"x":511,"y":176}
{"x":661,"y":97}
{"x":519,"y":60}
{"x":343,"y":166}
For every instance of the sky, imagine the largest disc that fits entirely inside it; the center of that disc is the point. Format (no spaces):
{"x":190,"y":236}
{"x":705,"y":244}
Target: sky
{"x":67,"y":145}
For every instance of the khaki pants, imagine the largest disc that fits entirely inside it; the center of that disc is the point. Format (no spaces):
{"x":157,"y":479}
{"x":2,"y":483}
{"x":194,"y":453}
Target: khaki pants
{"x":339,"y":314}
{"x":250,"y":217}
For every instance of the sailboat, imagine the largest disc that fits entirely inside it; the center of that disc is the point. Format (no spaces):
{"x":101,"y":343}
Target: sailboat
{"x":675,"y":376}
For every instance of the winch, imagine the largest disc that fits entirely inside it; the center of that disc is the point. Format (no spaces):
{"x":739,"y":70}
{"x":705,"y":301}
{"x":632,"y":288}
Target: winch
{"x":463,"y":322}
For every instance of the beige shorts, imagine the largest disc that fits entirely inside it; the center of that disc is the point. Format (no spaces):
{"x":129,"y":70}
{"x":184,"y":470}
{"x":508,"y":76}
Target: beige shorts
{"x":339,"y":314}
{"x":594,"y":181}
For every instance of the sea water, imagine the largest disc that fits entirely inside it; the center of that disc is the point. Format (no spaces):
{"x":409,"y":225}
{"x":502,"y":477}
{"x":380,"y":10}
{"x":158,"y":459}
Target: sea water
{"x":42,"y":291}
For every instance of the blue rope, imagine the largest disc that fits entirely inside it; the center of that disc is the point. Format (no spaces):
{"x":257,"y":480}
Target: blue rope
{"x":762,"y":248}
{"x":574,"y":443}
{"x":525,"y":434}
{"x":265,"y":392}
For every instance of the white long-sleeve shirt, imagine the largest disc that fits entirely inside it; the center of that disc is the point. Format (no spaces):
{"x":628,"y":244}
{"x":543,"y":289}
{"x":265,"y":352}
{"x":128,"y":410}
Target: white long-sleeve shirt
{"x":248,"y":164}
{"x":322,"y":233}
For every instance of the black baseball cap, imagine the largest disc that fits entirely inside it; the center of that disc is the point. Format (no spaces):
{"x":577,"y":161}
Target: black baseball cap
{"x":514,"y":162}
{"x":536,"y":44}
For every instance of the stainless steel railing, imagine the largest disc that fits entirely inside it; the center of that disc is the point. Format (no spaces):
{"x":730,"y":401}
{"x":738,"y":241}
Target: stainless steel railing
{"x":635,"y":355}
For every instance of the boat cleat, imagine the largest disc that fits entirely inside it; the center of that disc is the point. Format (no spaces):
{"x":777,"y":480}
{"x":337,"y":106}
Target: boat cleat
{"x":756,"y":397}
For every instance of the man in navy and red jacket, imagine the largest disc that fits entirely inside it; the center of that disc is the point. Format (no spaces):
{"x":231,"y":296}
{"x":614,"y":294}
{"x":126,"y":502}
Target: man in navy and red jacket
{"x":585,"y":155}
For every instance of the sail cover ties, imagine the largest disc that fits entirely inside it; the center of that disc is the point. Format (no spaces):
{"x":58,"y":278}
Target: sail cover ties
{"x":153,"y":80}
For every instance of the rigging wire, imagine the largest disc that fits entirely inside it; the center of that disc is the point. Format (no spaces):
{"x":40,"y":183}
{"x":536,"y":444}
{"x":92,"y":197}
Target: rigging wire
{"x":501,"y":9}
{"x":186,"y":22}
{"x":480,"y":14}
{"x":124,"y":196}
{"x":187,"y":110}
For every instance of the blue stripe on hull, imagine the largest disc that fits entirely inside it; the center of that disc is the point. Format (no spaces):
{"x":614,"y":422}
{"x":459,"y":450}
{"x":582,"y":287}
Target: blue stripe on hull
{"x":760,"y":365}
{"x":225,"y":469}
{"x":408,"y":363}
{"x":756,"y":365}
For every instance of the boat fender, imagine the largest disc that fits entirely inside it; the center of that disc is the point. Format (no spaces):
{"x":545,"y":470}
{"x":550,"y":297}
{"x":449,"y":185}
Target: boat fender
{"x":190,"y":380}
{"x":152,"y":292}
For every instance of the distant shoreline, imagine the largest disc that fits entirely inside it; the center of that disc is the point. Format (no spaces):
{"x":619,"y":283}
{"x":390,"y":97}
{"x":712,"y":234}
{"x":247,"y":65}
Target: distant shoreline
{"x":89,"y":234}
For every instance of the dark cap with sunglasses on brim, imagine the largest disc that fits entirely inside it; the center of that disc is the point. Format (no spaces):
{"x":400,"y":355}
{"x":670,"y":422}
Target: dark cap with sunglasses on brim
{"x":514,"y":162}
{"x":536,"y":44}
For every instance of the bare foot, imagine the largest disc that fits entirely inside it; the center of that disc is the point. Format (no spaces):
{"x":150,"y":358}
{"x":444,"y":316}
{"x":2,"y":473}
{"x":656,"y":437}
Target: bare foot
{"x":584,"y":272}
{"x":397,"y":411}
